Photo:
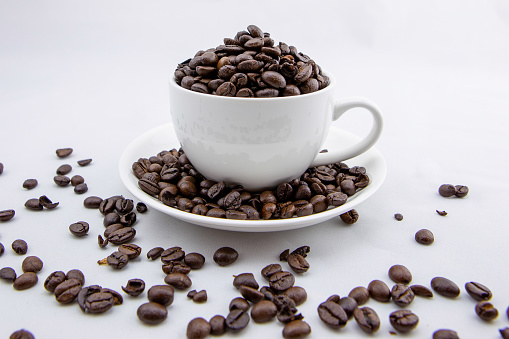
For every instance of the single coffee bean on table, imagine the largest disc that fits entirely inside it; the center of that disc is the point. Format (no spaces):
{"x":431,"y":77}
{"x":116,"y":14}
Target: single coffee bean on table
{"x":64,"y":152}
{"x":478,"y":291}
{"x":445,"y":287}
{"x":296,"y":329}
{"x":30,"y":184}
{"x":33,"y":204}
{"x":64,"y":169}
{"x":152,"y":313}
{"x":251,"y":294}
{"x":269,"y":270}
{"x":281,"y":281}
{"x":134,"y":287}
{"x":200,"y":296}
{"x":486,"y":311}
{"x":400,"y":274}
{"x":225,"y":256}
{"x":176,"y":267}
{"x":367,"y":319}
{"x":7,"y":215}
{"x":79,"y":229}
{"x":445,"y":334}
{"x":31,"y":264}
{"x":198,"y":328}
{"x":25,"y":281}
{"x":84,"y":162}
{"x":350,"y":217}
{"x":162,"y":294}
{"x":67,"y":291}
{"x":441,"y":213}
{"x":53,"y":280}
{"x":424,"y":237}
{"x":8,"y":274}
{"x":45,"y":202}
{"x":172,"y":254}
{"x":398,"y":216}
{"x":403,"y":320}
{"x":379,"y":291}
{"x":19,"y":246}
{"x":116,"y":260}
{"x":141,"y":207}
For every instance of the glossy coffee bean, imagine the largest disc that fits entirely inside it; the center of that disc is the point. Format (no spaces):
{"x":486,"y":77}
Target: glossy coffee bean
{"x":402,"y":295}
{"x":217,"y":325}
{"x":379,"y":291}
{"x":53,"y":280}
{"x":67,"y":291}
{"x":486,"y":311}
{"x":198,"y":328}
{"x":152,"y":313}
{"x":296,"y":329}
{"x":225,"y":256}
{"x":445,"y":287}
{"x":478,"y":291}
{"x":162,"y":294}
{"x":8,"y":274}
{"x":263,"y":311}
{"x":178,"y":280}
{"x":134,"y":287}
{"x":19,"y":246}
{"x":7,"y":215}
{"x":31,"y":264}
{"x":400,"y":274}
{"x":332,"y":314}
{"x":445,"y":334}
{"x":245,"y":279}
{"x":367,"y":319}
{"x":403,"y":320}
{"x":360,"y":294}
{"x":237,"y":320}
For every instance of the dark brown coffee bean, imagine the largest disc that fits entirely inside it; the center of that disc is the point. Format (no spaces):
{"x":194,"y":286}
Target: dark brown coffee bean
{"x":2,"y":249}
{"x":237,"y":320}
{"x":486,"y":311}
{"x":64,"y":169}
{"x":63,"y":152}
{"x":30,"y":184}
{"x":296,"y":329}
{"x":319,"y":203}
{"x":112,"y":228}
{"x":152,"y":313}
{"x":251,"y":294}
{"x":349,"y":305}
{"x":398,"y":216}
{"x":176,"y":267}
{"x":445,"y":334}
{"x":31,"y":264}
{"x":45,"y":202}
{"x":332,"y":314}
{"x":53,"y":280}
{"x":360,"y":294}
{"x":447,"y":190}
{"x":67,"y":291}
{"x":478,"y":291}
{"x":298,"y":263}
{"x":117,"y":298}
{"x":84,"y":162}
{"x":245,"y":279}
{"x":122,"y":235}
{"x":225,"y":256}
{"x":239,"y":303}
{"x":400,"y":274}
{"x":217,"y":325}
{"x":77,"y":179}
{"x":155,"y":253}
{"x":445,"y":287}
{"x":149,"y":187}
{"x":350,"y":217}
{"x":134,"y":287}
{"x":179,"y":281}
{"x":269,"y":270}
{"x":402,"y":295}
{"x":81,"y":188}
{"x":198,"y":328}
{"x":99,"y":302}
{"x":379,"y":291}
{"x":111,"y":218}
{"x":461,"y":191}
{"x":124,"y":206}
{"x":297,"y":294}
{"x":76,"y":274}
{"x":403,"y":320}
{"x":274,"y":79}
{"x":79,"y":228}
{"x":21,"y":334}
{"x":267,"y":93}
{"x":161,"y":294}
{"x":1,"y":168}
{"x":33,"y":204}
{"x":263,"y":311}
{"x":133,"y":251}
{"x":367,"y":319}
{"x":8,"y":274}
{"x":172,"y":254}
{"x":61,"y":180}
{"x":19,"y":246}
{"x":424,"y":237}
{"x":117,"y":260}
{"x":422,"y":291}
{"x":281,"y":281}
{"x":92,"y":202}
{"x":84,"y":293}
{"x":199,"y":297}
{"x":7,"y":215}
{"x":141,"y":207}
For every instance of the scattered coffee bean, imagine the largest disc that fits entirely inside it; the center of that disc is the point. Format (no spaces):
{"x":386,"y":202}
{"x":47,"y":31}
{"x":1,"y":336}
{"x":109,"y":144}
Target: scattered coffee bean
{"x":194,"y":260}
{"x":53,"y":280}
{"x":92,"y":202}
{"x":486,"y":311}
{"x":332,"y":314}
{"x":7,"y":215}
{"x":141,"y":207}
{"x":176,"y":267}
{"x":61,"y":180}
{"x":297,"y":294}
{"x":21,"y":334}
{"x":349,"y":305}
{"x":478,"y":291}
{"x":217,"y":325}
{"x":76,"y":274}
{"x":263,"y":311}
{"x":269,"y":270}
{"x":102,"y":242}
{"x":8,"y":274}
{"x":81,"y":188}
{"x":179,"y":281}
{"x":237,"y":320}
{"x":200,"y":297}
{"x":461,"y":191}
{"x":400,"y":274}
{"x":2,"y":249}
{"x":64,"y":169}
{"x":31,"y":264}
{"x":442,"y":213}
{"x":251,"y":294}
{"x":296,"y":329}
{"x":198,"y":328}
{"x":225,"y":256}
{"x":122,"y":235}
{"x":172,"y":254}
{"x":111,"y":218}
{"x":134,"y":287}
{"x":281,"y":281}
{"x":350,"y":217}
{"x":84,"y":293}
{"x":379,"y":291}
{"x":239,"y":303}
{"x":45,"y":202}
{"x":152,"y":313}
{"x":155,"y":253}
{"x":360,"y":294}
{"x":25,"y":281}
{"x":84,"y":162}
{"x":124,"y":206}
{"x":99,"y":302}
{"x":402,"y":295}
{"x":133,"y":251}
{"x":447,"y":190}
{"x":422,"y":291}
{"x":298,"y":263}
{"x":398,"y":216}
{"x":445,"y":287}
{"x":117,"y":260}
{"x":1,"y":168}
{"x":76,"y":180}
{"x":33,"y":204}
{"x":367,"y":319}
{"x":64,"y":152}
{"x":424,"y":237}
{"x":303,"y":251}
{"x":19,"y":246}
{"x":245,"y":279}
{"x":67,"y":291}
{"x":445,"y":334}
{"x":161,"y":294}
{"x":30,"y":183}
{"x":283,"y":256}
{"x":79,"y":228}
{"x":403,"y":320}
{"x":504,"y":332}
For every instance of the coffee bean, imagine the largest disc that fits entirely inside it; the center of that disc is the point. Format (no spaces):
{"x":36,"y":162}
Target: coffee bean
{"x":76,"y":274}
{"x":84,"y":162}
{"x":133,"y":251}
{"x":155,"y":253}
{"x":99,"y":302}
{"x":424,"y":237}
{"x":134,"y":287}
{"x":442,"y":213}
{"x":84,"y":293}
{"x":7,"y":215}
{"x":478,"y":291}
{"x":152,"y":313}
{"x":400,"y":274}
{"x":239,"y":303}
{"x":8,"y":274}
{"x":297,"y":294}
{"x":237,"y":320}
{"x":112,"y":228}
{"x":124,"y":206}
{"x":403,"y":320}
{"x":379,"y":291}
{"x":245,"y":279}
{"x":110,"y":219}
{"x":162,"y":294}
{"x":19,"y":246}
{"x":298,"y":263}
{"x":332,"y":314}
{"x":81,"y":188}
{"x":2,"y":249}
{"x":296,"y":329}
{"x":360,"y":294}
{"x":107,"y":206}
{"x":198,"y":328}
{"x":447,"y":190}
{"x":398,"y":216}
{"x":53,"y":280}
{"x":179,"y":281}
{"x":33,"y":204}
{"x":67,"y":291}
{"x":461,"y":191}
{"x":367,"y":319}
{"x":45,"y":202}
{"x":61,"y":180}
{"x":281,"y":281}
{"x":349,"y":305}
{"x":64,"y":169}
{"x":141,"y":207}
{"x":102,"y":242}
{"x":176,"y":267}
{"x":122,"y":235}
{"x":504,"y":332}
{"x":31,"y":264}
{"x":271,"y":269}
{"x":64,"y":152}
{"x":422,"y":291}
{"x":350,"y":217}
{"x":30,"y":184}
{"x":217,"y":325}
{"x":92,"y":202}
{"x":1,"y":168}
{"x":172,"y":254}
{"x":263,"y":311}
{"x":25,"y":281}
{"x":117,"y":260}
{"x":402,"y":295}
{"x":194,"y":260}
{"x":445,"y":287}
{"x":79,"y":228}
{"x":486,"y":311}
{"x":21,"y":334}
{"x":251,"y":294}
{"x":199,"y":297}
{"x":445,"y":334}
{"x":225,"y":256}
{"x":303,"y":251}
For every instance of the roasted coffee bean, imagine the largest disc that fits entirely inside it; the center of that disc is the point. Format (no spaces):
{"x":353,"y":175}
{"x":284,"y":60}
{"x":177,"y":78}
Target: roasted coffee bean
{"x":7,"y":215}
{"x":478,"y":291}
{"x":122,"y":235}
{"x":124,"y":206}
{"x":161,"y":294}
{"x":99,"y":302}
{"x":107,"y":206}
{"x":8,"y":274}
{"x":461,"y":191}
{"x":239,"y":303}
{"x":134,"y":287}
{"x":303,"y":251}
{"x":319,"y":203}
{"x":283,"y":256}
{"x":398,"y":216}
{"x":152,"y":313}
{"x":334,"y":298}
{"x":179,"y":281}
{"x":350,"y":217}
{"x":402,"y":295}
{"x":21,"y":334}
{"x":367,"y":319}
{"x":111,"y":218}
{"x":263,"y":311}
{"x":67,"y":291}
{"x":81,"y":188}
{"x":76,"y":274}
{"x":30,"y":183}
{"x":297,"y":294}
{"x":77,"y":179}
{"x":149,"y":187}
{"x":225,"y":256}
{"x":2,"y":249}
{"x":198,"y":328}
{"x":360,"y":294}
{"x":447,"y":190}
{"x":141,"y":207}
{"x":155,"y":253}
{"x":379,"y":291}
{"x":251,"y":294}
{"x":441,"y":213}
{"x":176,"y":267}
{"x":269,"y":270}
{"x":445,"y":287}
{"x":281,"y":281}
{"x":400,"y":274}
{"x":424,"y":237}
{"x":194,"y":260}
{"x":128,"y":219}
{"x":486,"y":311}
{"x":237,"y":320}
{"x":296,"y":329}
{"x":84,"y":162}
{"x":61,"y":180}
{"x":112,"y":228}
{"x":84,"y":293}
{"x":332,"y":314}
{"x":349,"y":305}
{"x":338,"y":199}
{"x":422,"y":291}
{"x":245,"y":279}
{"x":1,"y":168}
{"x":53,"y":280}
{"x":199,"y":297}
{"x":445,"y":334}
{"x":92,"y":202}
{"x":45,"y":202}
{"x":117,"y":260}
{"x":504,"y":332}
{"x":117,"y":298}
{"x":133,"y":251}
{"x":19,"y":246}
{"x":403,"y":320}
{"x":64,"y":169}
{"x":33,"y":204}
{"x":31,"y":264}
{"x":79,"y":228}
{"x":64,"y":152}
{"x":298,"y":263}
{"x":172,"y":254}
{"x":217,"y":325}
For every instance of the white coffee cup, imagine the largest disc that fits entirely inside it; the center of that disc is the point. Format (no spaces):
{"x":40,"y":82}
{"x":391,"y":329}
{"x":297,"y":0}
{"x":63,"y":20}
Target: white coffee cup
{"x":261,"y":142}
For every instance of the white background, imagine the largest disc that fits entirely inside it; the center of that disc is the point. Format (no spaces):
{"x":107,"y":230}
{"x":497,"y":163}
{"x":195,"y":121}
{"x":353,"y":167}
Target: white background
{"x":93,"y":75}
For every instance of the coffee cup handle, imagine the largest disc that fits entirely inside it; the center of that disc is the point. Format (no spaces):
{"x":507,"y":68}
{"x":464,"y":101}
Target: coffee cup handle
{"x":340,"y":107}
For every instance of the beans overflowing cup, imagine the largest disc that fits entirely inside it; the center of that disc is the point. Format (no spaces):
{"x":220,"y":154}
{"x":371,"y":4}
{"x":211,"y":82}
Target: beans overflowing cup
{"x":253,"y":113}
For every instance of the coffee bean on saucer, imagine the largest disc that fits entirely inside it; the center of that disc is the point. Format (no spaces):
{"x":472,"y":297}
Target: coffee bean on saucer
{"x":225,"y":256}
{"x":424,"y":237}
{"x":30,"y":184}
{"x":19,"y":246}
{"x":152,"y":313}
{"x":403,"y":320}
{"x":7,"y":215}
{"x":445,"y":287}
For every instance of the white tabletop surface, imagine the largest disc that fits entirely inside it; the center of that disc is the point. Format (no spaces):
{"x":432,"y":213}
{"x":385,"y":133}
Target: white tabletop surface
{"x":93,"y":76}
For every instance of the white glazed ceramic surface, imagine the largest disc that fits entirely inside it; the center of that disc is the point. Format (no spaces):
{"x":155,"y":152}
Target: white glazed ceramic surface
{"x":260,"y":142}
{"x":164,"y":138}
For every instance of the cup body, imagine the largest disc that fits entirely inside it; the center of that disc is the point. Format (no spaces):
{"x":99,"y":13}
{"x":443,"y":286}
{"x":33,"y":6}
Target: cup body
{"x":255,"y":142}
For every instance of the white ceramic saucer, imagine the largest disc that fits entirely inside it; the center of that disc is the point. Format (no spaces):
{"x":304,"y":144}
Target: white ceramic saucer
{"x":163,"y":138}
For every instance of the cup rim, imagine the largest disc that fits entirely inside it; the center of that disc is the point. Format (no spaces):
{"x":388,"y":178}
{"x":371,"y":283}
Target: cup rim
{"x":332,"y":82}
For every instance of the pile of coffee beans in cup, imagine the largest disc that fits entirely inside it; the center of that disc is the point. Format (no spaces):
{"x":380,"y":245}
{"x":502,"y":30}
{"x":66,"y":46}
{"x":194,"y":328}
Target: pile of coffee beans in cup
{"x":171,"y":178}
{"x":250,"y":65}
